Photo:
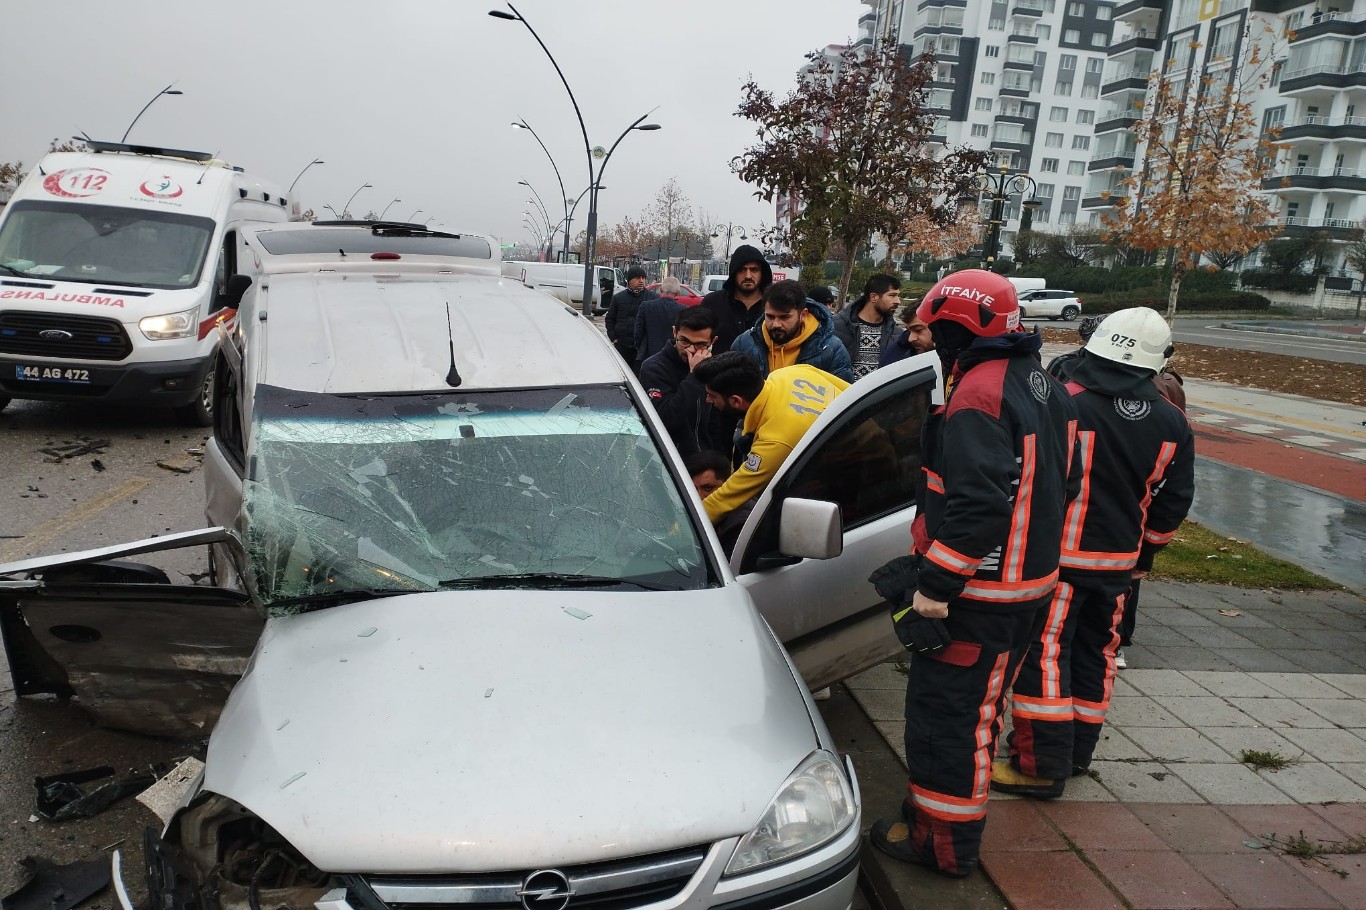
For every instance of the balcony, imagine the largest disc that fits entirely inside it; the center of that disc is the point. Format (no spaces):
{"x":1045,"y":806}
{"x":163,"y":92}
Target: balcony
{"x":1114,"y":154}
{"x":1317,"y":178}
{"x":1139,"y":9}
{"x":1022,"y":37}
{"x":1311,"y":78}
{"x":1339,"y":24}
{"x":1335,"y":228}
{"x":1324,"y":128}
{"x":1023,"y":61}
{"x":1017,"y":87}
{"x":1139,"y":40}
{"x":1134,"y":79}
{"x":1027,"y":8}
{"x":1117,"y":117}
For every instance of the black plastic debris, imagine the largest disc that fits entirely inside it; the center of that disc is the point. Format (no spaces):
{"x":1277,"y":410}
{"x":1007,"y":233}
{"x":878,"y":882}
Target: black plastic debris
{"x":48,"y":886}
{"x":61,"y":797}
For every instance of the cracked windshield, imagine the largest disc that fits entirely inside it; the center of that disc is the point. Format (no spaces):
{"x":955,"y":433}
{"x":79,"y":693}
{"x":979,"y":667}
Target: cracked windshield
{"x":406,"y":493}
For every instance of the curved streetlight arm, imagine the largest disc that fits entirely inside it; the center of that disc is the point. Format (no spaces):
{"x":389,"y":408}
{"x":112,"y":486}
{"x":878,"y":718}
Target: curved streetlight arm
{"x":545,"y":213}
{"x":301,"y":173}
{"x":527,"y":126}
{"x":412,"y":216}
{"x":387,"y":207}
{"x":165,"y":91}
{"x":333,"y":211}
{"x":608,"y":157}
{"x":346,"y":208}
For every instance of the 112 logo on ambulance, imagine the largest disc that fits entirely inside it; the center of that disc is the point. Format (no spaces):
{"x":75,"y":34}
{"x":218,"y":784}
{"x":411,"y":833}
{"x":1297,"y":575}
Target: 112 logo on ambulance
{"x":76,"y":182}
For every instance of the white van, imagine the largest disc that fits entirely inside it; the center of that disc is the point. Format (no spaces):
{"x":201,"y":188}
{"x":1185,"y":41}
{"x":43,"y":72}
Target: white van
{"x":113,"y":271}
{"x":564,"y":281}
{"x":1025,"y":285}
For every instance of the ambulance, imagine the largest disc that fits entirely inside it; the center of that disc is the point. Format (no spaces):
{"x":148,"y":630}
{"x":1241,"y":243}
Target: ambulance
{"x":114,"y":267}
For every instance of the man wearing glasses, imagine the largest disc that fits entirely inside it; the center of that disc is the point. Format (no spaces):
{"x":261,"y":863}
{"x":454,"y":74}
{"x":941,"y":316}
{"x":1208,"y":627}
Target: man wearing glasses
{"x":676,"y":393}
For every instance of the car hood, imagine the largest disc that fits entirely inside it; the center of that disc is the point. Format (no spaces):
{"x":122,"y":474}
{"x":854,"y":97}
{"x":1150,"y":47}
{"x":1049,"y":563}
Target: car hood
{"x":475,"y":731}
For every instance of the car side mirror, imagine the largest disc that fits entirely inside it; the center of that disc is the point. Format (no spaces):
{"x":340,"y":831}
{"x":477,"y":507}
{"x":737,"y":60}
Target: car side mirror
{"x":232,"y":294}
{"x":810,"y":529}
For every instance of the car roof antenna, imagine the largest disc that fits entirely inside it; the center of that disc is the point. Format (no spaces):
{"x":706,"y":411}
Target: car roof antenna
{"x":453,"y":375}
{"x":204,"y":173}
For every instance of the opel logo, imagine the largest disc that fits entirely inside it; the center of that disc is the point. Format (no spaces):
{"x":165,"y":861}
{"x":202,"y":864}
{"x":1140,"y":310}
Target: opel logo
{"x":56,"y":335}
{"x":547,"y":889}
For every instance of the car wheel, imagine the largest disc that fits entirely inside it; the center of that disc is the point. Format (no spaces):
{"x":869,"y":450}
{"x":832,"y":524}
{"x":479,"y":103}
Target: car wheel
{"x":1023,"y":314}
{"x":199,"y":413}
{"x":1070,"y":313}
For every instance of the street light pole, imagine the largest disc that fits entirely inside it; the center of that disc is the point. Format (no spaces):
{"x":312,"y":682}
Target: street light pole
{"x":592,"y":229}
{"x":166,"y":91}
{"x":522,"y":124}
{"x":346,"y":209}
{"x":728,"y":229}
{"x":545,"y":213}
{"x":410,"y":218}
{"x":333,"y":211}
{"x":386,"y":208}
{"x":301,"y":173}
{"x":1002,"y":185}
{"x":593,"y":187}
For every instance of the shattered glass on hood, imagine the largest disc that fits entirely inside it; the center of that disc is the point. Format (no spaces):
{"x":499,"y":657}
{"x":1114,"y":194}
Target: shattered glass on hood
{"x":425,"y":492}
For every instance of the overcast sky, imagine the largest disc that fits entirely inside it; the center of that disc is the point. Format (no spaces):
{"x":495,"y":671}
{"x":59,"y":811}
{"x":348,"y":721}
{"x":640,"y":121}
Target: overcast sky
{"x":416,"y":96}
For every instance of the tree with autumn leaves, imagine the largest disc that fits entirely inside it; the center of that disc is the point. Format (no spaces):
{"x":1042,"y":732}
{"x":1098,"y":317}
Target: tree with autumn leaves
{"x":1199,"y":189}
{"x":853,"y":142}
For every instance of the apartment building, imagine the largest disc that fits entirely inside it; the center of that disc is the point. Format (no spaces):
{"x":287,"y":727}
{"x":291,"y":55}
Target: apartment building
{"x":1020,"y":79}
{"x":1317,"y":84}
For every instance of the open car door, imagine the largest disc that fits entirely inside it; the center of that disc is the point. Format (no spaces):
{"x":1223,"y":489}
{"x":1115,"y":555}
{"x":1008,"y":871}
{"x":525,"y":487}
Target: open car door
{"x":862,"y":454}
{"x":140,"y":653}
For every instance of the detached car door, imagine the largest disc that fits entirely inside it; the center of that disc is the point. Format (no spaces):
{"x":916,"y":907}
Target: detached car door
{"x":863,"y":454}
{"x":138,"y":652}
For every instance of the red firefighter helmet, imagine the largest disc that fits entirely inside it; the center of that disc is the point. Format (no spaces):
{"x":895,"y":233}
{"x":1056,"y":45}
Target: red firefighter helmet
{"x":982,"y":301}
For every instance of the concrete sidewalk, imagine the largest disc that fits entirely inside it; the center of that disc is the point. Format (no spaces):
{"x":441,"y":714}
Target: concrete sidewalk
{"x":1337,"y":329}
{"x":1171,"y":817}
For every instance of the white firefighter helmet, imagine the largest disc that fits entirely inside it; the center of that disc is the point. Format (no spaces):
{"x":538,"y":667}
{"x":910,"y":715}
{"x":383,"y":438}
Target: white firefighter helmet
{"x":1137,"y":337}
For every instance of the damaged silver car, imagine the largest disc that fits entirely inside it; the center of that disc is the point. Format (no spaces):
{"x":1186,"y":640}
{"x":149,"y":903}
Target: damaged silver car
{"x":491,"y":654}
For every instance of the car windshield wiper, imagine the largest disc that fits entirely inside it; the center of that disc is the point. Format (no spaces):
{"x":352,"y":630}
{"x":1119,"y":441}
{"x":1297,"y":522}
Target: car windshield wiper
{"x":548,"y":580}
{"x":308,"y":602}
{"x":13,"y":271}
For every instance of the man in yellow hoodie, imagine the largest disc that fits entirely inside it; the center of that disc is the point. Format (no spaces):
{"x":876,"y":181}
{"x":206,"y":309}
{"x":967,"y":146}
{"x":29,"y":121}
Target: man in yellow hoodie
{"x":776,"y":411}
{"x":795,"y":330}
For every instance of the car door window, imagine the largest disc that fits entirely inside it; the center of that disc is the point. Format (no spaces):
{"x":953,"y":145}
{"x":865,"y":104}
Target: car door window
{"x":868,"y":462}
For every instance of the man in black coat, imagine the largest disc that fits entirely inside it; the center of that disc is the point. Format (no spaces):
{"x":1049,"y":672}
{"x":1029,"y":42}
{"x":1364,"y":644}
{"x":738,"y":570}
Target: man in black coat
{"x":620,"y":321}
{"x":676,"y":393}
{"x":739,"y":305}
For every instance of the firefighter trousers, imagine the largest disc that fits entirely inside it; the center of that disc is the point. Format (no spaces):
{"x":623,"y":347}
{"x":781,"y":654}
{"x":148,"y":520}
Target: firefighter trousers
{"x":1063,"y":691}
{"x":954,"y":701}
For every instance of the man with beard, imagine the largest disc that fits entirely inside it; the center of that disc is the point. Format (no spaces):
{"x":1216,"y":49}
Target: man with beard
{"x":866,"y":326}
{"x":776,"y":412}
{"x":738,"y":304}
{"x":914,"y":339}
{"x":996,"y":458}
{"x":795,"y":330}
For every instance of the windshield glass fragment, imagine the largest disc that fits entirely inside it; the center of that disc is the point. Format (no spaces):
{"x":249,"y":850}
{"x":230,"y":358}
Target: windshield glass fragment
{"x":425,"y":492}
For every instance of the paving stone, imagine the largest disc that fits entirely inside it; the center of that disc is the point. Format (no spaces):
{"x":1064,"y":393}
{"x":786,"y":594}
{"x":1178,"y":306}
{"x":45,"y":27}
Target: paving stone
{"x":1184,"y":619}
{"x":1157,"y":880}
{"x":1086,"y":789}
{"x":1111,"y":826}
{"x":1234,"y":740}
{"x":1261,"y":660}
{"x":883,"y":676}
{"x":1134,"y":782}
{"x":1314,"y":782}
{"x":1349,"y":818}
{"x":1139,"y":711}
{"x":1178,"y":744}
{"x":1325,"y":661}
{"x":1337,"y":619}
{"x":1299,"y":685}
{"x":1284,"y":821}
{"x":1344,"y":712}
{"x":1015,"y":826}
{"x":1298,"y":620}
{"x":1220,"y":638}
{"x":882,"y":704}
{"x":1274,"y":637}
{"x":1057,"y":879}
{"x":1348,"y":890}
{"x":1163,"y":682}
{"x":894,"y":731}
{"x":1229,"y":784}
{"x":1121,"y":687}
{"x":1247,"y":622}
{"x":1238,"y":684}
{"x":1114,"y":745}
{"x":1353,"y":771}
{"x":1208,"y":711}
{"x":1279,"y":712}
{"x":1154,"y":634}
{"x":1353,"y":684}
{"x":1330,"y":745}
{"x":1176,"y":658}
{"x":1187,"y":829}
{"x":1261,"y":880}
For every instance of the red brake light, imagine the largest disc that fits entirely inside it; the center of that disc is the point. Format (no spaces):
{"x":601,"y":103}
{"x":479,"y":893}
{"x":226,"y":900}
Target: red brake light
{"x":385,"y":256}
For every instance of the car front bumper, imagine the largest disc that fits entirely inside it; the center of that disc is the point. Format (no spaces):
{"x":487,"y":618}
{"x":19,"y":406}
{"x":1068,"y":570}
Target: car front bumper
{"x":161,"y":383}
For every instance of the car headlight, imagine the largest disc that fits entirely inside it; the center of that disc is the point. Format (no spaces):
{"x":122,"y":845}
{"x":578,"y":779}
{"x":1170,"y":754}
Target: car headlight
{"x":172,"y":325}
{"x":813,"y":806}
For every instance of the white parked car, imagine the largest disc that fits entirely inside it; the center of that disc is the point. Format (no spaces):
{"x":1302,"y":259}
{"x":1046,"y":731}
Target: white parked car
{"x":490,"y":649}
{"x":1050,"y":304}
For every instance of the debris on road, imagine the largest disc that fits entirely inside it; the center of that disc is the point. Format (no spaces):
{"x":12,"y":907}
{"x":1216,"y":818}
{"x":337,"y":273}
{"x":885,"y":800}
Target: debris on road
{"x":165,"y":796}
{"x":60,"y":796}
{"x":97,"y":465}
{"x":74,"y":449}
{"x":178,"y":466}
{"x":49,"y":886}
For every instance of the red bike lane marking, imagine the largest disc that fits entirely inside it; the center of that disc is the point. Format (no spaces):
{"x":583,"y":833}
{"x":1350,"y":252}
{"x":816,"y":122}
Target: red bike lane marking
{"x":1331,"y":473}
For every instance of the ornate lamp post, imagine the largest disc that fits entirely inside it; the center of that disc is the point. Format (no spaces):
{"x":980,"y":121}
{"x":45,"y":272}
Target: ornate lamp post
{"x":1002,"y":186}
{"x":728,"y":228}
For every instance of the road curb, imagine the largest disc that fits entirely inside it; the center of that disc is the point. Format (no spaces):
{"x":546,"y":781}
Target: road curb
{"x":1292,"y":329}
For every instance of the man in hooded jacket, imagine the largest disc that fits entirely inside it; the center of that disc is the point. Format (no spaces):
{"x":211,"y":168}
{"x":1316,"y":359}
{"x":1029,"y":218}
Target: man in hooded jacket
{"x":795,"y":330}
{"x":739,"y":303}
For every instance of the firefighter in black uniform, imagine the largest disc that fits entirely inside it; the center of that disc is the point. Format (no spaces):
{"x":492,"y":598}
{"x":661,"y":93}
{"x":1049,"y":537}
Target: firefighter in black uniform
{"x":1137,"y":456}
{"x":986,"y":537}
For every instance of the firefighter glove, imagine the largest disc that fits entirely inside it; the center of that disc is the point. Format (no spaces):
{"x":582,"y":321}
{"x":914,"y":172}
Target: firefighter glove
{"x":920,"y":633}
{"x":896,"y":579}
